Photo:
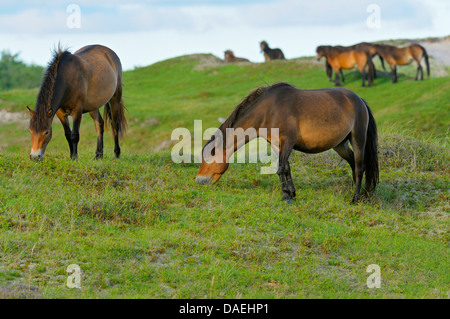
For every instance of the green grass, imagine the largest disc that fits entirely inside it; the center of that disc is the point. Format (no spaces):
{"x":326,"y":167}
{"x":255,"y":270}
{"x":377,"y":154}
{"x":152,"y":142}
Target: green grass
{"x":140,"y":227}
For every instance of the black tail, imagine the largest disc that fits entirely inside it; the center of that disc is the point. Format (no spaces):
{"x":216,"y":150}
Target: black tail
{"x":425,"y":55}
{"x":371,"y":153}
{"x":121,"y":122}
{"x":382,"y":62}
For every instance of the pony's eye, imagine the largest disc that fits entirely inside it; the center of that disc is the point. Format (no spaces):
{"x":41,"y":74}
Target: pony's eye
{"x":46,"y":133}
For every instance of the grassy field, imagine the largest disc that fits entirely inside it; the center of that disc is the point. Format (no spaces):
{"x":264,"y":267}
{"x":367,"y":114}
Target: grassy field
{"x":140,"y":227}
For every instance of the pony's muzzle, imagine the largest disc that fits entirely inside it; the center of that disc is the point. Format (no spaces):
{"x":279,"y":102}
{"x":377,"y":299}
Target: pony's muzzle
{"x":37,"y":155}
{"x":203,"y":180}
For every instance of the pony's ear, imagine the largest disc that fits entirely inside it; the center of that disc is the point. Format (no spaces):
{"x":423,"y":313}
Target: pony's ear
{"x":31,"y":111}
{"x":49,"y":113}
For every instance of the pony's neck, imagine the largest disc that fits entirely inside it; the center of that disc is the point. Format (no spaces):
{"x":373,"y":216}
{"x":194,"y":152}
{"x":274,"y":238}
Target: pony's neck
{"x":237,"y":136}
{"x":58,"y":94}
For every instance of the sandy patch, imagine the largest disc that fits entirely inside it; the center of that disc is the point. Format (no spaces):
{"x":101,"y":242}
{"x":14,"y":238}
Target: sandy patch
{"x":439,"y":49}
{"x":12,"y":117}
{"x":206,"y":61}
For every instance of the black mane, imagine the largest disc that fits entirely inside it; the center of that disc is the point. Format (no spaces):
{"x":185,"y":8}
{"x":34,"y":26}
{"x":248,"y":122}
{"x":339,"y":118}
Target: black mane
{"x":44,"y":98}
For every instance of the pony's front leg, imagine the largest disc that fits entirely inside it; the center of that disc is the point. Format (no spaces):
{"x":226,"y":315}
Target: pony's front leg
{"x":67,"y":132}
{"x":342,"y":75}
{"x":100,"y":128}
{"x":337,"y":82}
{"x":284,"y":173}
{"x":329,"y":71}
{"x":75,"y":136}
{"x":289,"y":181}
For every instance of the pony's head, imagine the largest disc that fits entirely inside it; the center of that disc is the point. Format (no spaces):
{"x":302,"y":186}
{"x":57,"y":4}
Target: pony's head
{"x":41,"y":133}
{"x":263,"y":45}
{"x":320,"y":50}
{"x":42,"y":116}
{"x":229,"y":55}
{"x":214,"y":163}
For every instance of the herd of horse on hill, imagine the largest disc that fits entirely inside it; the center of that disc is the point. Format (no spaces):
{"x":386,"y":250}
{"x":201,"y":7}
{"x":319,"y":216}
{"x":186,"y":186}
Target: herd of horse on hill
{"x":338,"y":58}
{"x":310,"y":121}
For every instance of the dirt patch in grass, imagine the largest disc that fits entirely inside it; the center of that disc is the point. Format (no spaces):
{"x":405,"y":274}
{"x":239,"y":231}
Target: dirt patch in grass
{"x":206,"y":61}
{"x":12,"y":117}
{"x":19,"y":292}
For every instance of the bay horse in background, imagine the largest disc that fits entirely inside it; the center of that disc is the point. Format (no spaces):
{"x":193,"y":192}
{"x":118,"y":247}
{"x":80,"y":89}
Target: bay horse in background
{"x":271,"y":54}
{"x":230,"y":57}
{"x":75,"y":84}
{"x":363,"y":46}
{"x":340,"y":59}
{"x":310,"y":121}
{"x":371,"y":49}
{"x":329,"y":71}
{"x":402,"y":56}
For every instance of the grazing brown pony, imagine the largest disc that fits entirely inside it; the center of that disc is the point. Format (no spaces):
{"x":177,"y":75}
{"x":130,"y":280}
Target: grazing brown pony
{"x":310,"y":121}
{"x":230,"y":57}
{"x":402,"y":56}
{"x":371,"y":49}
{"x":75,"y":84}
{"x":363,"y":46}
{"x":340,"y":59}
{"x":329,"y":71}
{"x":271,"y":54}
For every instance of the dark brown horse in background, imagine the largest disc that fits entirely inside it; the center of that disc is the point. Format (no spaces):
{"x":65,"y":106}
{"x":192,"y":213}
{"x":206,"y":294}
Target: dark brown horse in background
{"x":75,"y":84}
{"x":310,"y":121}
{"x":230,"y":57}
{"x":271,"y":54}
{"x":339,"y":59}
{"x":402,"y":56}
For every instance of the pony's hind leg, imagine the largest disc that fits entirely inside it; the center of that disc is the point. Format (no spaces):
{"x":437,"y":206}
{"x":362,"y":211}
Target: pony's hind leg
{"x":118,"y":121}
{"x":394,"y":74}
{"x":358,"y":141}
{"x":99,"y":127}
{"x":419,"y":71}
{"x":346,"y":153}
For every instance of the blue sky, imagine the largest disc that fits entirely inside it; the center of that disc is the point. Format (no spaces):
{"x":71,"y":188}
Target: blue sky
{"x":144,"y":32}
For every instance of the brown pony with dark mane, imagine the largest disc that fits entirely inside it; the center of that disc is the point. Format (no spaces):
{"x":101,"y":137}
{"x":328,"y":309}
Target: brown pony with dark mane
{"x":75,"y":84}
{"x":271,"y":54}
{"x":402,"y":56}
{"x":310,"y":121}
{"x":341,"y":58}
{"x":363,"y":46}
{"x":230,"y":57}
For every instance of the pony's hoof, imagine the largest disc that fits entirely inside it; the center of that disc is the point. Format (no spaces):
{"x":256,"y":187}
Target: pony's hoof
{"x":287,"y":199}
{"x":98,"y":157}
{"x":355,"y":200}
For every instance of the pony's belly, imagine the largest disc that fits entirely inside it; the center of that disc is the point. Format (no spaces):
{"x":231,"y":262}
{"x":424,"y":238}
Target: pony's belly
{"x":97,"y":98}
{"x":96,"y":103}
{"x":405,"y":60}
{"x":320,"y":140}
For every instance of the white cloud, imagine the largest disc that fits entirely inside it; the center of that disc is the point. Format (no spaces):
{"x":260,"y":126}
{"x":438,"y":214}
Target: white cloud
{"x":116,"y":16}
{"x":143,"y":33}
